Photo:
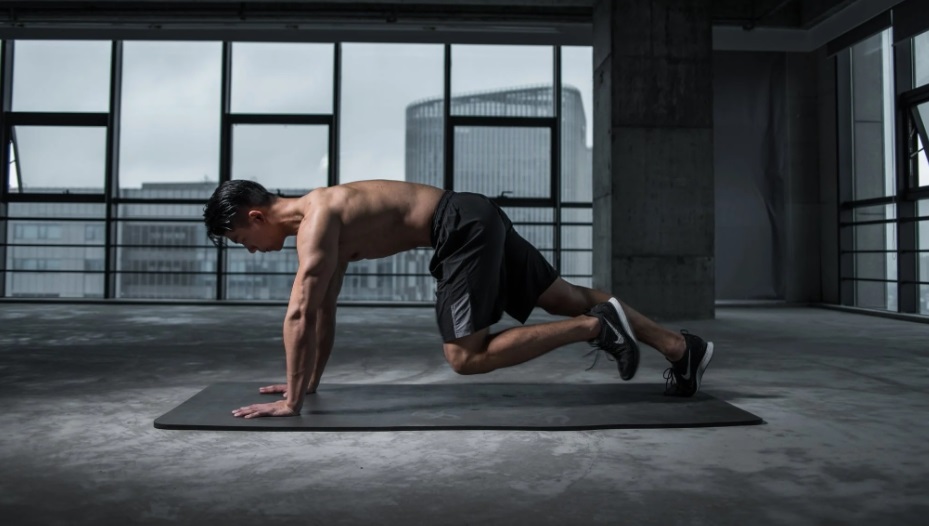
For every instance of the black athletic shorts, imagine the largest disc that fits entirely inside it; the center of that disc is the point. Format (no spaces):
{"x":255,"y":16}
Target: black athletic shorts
{"x":483,"y":267}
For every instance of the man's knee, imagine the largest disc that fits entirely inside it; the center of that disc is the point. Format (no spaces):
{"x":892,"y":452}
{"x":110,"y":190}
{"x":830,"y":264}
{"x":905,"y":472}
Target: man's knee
{"x":465,"y":355}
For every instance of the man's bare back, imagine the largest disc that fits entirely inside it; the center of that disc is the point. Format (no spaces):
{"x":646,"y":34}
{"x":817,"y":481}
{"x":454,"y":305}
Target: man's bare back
{"x":377,"y":218}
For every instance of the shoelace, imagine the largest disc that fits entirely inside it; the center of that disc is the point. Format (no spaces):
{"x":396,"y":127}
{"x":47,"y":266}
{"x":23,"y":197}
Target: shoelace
{"x":670,"y":383}
{"x":596,"y":354}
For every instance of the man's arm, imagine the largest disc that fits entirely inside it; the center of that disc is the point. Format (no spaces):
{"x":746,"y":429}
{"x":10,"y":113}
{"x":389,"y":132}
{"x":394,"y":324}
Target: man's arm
{"x":317,"y":250}
{"x":325,"y":334}
{"x":325,"y":327}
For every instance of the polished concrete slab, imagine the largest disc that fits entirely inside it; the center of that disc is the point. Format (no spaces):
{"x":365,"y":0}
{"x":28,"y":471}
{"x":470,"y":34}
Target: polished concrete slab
{"x":844,"y":398}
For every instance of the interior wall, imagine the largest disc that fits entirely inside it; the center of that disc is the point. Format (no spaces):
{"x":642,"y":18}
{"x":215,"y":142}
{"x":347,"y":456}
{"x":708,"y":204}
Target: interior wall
{"x":751,"y":172}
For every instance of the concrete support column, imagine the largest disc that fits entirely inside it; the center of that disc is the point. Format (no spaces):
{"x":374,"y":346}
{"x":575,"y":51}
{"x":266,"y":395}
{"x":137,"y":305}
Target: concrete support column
{"x":653,"y":156}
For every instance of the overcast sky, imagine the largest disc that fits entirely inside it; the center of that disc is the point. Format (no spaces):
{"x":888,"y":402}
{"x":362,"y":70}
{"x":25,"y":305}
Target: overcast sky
{"x":171,"y":100}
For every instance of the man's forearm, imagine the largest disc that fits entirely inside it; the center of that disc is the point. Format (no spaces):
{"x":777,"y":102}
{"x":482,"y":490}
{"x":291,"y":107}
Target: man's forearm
{"x":325,"y":337}
{"x":300,"y":349}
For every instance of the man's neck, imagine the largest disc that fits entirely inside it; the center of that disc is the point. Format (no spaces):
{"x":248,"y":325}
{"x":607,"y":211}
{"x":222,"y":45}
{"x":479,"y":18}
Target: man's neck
{"x":287,"y":213}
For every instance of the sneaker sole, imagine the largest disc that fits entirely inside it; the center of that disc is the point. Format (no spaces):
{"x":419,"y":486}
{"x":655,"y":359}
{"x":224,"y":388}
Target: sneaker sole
{"x":617,"y":306}
{"x":703,"y":364}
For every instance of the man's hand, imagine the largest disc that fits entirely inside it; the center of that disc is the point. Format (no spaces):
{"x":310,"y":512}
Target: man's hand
{"x":282,"y":388}
{"x":279,"y":408}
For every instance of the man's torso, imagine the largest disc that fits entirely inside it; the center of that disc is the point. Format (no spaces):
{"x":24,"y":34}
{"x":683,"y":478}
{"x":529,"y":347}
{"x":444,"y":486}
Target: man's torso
{"x":379,"y":218}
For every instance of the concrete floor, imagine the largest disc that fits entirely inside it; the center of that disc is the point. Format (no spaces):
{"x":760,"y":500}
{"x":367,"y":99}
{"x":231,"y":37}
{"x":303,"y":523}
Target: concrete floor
{"x":844,"y":397}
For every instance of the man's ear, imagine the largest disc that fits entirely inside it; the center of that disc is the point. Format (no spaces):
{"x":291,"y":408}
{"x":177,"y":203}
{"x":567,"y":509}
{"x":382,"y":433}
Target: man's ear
{"x":256,"y":216}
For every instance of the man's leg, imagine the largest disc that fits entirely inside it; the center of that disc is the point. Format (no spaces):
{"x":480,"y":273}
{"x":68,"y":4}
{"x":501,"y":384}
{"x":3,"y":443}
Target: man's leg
{"x":483,"y":352}
{"x":566,"y":299}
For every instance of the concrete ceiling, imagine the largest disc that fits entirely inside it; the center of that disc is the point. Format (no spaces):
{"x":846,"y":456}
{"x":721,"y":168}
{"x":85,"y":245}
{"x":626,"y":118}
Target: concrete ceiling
{"x":745,"y":13}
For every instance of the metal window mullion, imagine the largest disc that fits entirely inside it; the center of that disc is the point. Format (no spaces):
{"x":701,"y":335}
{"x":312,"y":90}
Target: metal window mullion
{"x":555,"y":158}
{"x":448,"y":130}
{"x":6,"y":102}
{"x":35,"y":118}
{"x":906,"y":225}
{"x":334,"y":175}
{"x":279,"y":118}
{"x":111,"y":176}
{"x":225,"y":152}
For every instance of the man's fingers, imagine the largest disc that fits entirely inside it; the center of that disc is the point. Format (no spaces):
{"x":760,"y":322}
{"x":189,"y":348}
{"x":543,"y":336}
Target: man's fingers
{"x":244,"y":411}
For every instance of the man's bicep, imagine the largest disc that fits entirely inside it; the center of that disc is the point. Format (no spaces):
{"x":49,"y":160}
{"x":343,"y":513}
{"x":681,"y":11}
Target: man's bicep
{"x":317,"y":251}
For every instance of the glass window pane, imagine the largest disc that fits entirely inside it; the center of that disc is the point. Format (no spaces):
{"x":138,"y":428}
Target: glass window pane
{"x":170,"y":114}
{"x":873,"y":116}
{"x":502,"y":80}
{"x":873,"y":237}
{"x":58,"y":159}
{"x":874,"y":213}
{"x":282,"y":78}
{"x":61,"y":76}
{"x":535,"y":226}
{"x":402,"y":277}
{"x":90,"y":211}
{"x":921,"y":59}
{"x":924,"y":235}
{"x":503,"y":162}
{"x":162,"y":212}
{"x":391,"y":123}
{"x":288,"y":159}
{"x":873,"y":265}
{"x":875,"y":295}
{"x":53,"y":256}
{"x":53,"y":285}
{"x":922,"y":156}
{"x":260,"y":276}
{"x":922,"y":165}
{"x":161,"y":260}
{"x":577,"y":124}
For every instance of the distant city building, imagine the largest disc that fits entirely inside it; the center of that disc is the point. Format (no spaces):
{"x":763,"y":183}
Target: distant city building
{"x":512,"y":162}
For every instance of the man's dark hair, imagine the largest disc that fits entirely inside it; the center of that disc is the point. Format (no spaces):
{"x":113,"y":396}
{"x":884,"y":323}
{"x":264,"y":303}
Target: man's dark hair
{"x":221,"y":210}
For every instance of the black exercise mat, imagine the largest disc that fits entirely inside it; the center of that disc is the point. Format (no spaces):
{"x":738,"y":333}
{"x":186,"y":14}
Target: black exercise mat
{"x":398,"y":407}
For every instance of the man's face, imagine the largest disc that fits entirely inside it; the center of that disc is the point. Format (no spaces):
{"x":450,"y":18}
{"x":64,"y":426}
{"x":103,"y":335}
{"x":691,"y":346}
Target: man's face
{"x":256,"y":234}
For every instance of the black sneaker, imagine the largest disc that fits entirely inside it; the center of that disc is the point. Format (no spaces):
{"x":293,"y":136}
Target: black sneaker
{"x":683,"y":377}
{"x":616,"y":337}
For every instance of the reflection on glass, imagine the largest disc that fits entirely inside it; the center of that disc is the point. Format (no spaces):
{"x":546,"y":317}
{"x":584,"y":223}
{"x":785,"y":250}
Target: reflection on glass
{"x":503,"y":80}
{"x":282,"y":78}
{"x":61,"y":76}
{"x":286,"y":159}
{"x":872,"y":117}
{"x":169,"y":133}
{"x":921,"y":60}
{"x":58,"y":159}
{"x":922,"y":156}
{"x":922,"y":164}
{"x":874,"y":265}
{"x":874,"y":213}
{"x":577,"y":124}
{"x":873,"y":237}
{"x":503,"y":162}
{"x":876,"y":295}
{"x":387,"y":130}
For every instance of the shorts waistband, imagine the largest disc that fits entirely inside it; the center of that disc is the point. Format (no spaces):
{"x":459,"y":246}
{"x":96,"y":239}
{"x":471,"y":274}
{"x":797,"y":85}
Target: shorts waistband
{"x":438,"y":216}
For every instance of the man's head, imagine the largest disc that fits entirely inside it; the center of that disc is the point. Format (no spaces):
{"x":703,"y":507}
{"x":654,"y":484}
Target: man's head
{"x":238,"y":210}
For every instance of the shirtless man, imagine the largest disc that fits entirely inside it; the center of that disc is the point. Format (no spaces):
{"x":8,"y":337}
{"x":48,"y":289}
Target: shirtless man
{"x":483,"y":268}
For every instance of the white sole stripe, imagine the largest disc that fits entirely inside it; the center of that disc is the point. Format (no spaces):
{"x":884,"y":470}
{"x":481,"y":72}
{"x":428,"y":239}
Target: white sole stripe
{"x":618,"y":307}
{"x":704,"y":363}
